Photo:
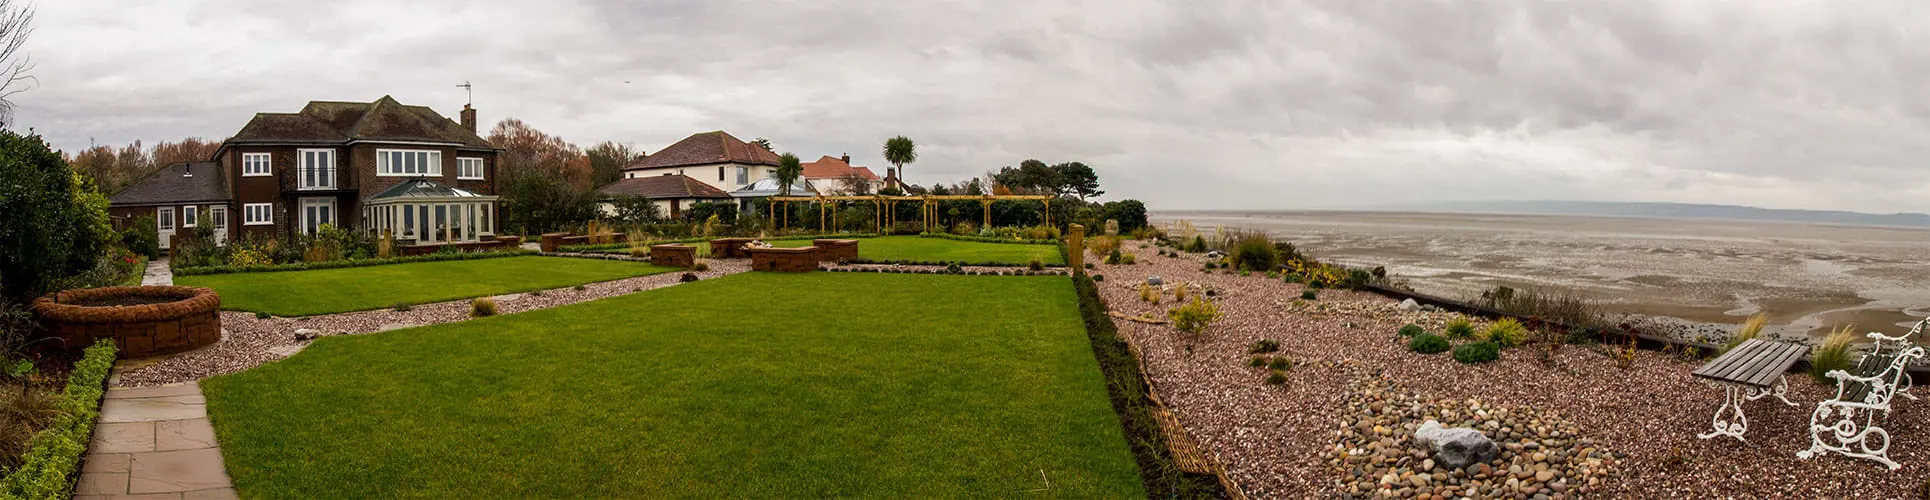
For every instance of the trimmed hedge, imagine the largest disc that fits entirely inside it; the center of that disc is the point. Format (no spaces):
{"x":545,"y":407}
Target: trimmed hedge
{"x":338,"y":264}
{"x":1129,"y":393}
{"x":603,"y":247}
{"x":53,"y":456}
{"x":987,"y":239}
{"x":1428,"y":343}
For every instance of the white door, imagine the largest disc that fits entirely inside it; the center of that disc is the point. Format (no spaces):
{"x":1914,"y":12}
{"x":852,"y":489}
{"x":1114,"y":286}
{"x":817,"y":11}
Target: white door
{"x":218,"y":216}
{"x":164,"y":224}
{"x":315,"y":212}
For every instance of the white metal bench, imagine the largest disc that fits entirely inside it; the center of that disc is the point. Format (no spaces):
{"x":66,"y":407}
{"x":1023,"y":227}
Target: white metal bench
{"x":1848,"y":423}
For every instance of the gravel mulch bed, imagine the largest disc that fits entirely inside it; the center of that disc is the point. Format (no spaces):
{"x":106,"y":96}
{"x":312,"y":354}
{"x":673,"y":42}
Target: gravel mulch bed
{"x":247,"y":342}
{"x":1278,"y":441}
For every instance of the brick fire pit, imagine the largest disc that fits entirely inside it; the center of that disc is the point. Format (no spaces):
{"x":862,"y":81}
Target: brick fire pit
{"x":144,"y":320}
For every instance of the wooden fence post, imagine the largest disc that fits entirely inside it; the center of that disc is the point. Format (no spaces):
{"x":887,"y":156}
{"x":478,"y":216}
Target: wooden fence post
{"x":1076,"y":248}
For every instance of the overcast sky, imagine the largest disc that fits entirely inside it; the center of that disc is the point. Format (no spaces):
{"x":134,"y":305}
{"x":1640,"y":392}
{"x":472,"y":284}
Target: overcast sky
{"x":1194,"y":104}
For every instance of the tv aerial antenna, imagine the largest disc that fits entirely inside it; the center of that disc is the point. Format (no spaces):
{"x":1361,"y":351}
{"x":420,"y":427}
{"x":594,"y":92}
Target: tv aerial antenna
{"x":469,"y":92}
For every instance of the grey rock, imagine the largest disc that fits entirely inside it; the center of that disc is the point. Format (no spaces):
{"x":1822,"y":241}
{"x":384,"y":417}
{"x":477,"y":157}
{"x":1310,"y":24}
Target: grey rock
{"x":1456,"y":448}
{"x":1154,"y":281}
{"x":307,"y":333}
{"x":1410,"y":305}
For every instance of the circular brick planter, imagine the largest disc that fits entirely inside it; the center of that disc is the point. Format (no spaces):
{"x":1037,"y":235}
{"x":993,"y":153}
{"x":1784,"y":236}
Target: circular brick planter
{"x":143,"y":320}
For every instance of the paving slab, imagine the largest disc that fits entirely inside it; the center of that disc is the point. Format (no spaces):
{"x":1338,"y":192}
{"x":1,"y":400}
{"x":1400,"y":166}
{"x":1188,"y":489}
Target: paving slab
{"x":211,"y":494}
{"x":101,"y":483}
{"x":177,"y":471}
{"x":170,"y":435}
{"x":124,"y":437}
{"x":106,"y":462}
{"x":152,"y":409}
{"x":188,"y":389}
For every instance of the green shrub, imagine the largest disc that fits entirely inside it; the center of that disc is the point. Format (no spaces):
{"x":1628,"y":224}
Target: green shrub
{"x":47,"y":469}
{"x":1428,"y":343}
{"x":482,"y":307}
{"x":142,"y":238}
{"x":1098,"y":277}
{"x":1128,"y":259}
{"x":1412,"y":330}
{"x":1280,"y":364}
{"x":1194,"y":317}
{"x":1833,"y":354}
{"x":1477,"y":352}
{"x":1113,"y":257}
{"x":1263,"y":346}
{"x":1357,"y":279}
{"x":338,"y":264}
{"x":579,"y":288}
{"x":1276,"y":378}
{"x":262,"y":315}
{"x":1273,"y":275}
{"x":1035,"y":264}
{"x":1257,"y":361}
{"x":1198,"y":245}
{"x":53,"y":222}
{"x":403,"y":307}
{"x":1255,"y":253}
{"x":1506,"y":333}
{"x":1245,"y":273}
{"x":1459,"y":328}
{"x":1309,"y":295}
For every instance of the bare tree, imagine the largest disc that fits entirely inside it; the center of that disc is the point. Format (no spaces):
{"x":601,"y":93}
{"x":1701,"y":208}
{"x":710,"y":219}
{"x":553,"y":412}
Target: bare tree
{"x":16,"y":23}
{"x":854,"y":184}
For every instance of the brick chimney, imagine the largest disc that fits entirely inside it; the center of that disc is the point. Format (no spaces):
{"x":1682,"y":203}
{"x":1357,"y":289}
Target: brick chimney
{"x":846,"y":158}
{"x":469,"y":118}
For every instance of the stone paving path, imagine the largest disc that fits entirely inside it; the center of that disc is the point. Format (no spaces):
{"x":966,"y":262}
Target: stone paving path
{"x":154,"y":442}
{"x":157,"y":273}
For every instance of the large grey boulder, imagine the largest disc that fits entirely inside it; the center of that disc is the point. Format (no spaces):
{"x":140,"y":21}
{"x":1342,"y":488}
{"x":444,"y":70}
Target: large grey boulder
{"x":1154,"y":281}
{"x":1456,"y":447}
{"x":1410,"y":305}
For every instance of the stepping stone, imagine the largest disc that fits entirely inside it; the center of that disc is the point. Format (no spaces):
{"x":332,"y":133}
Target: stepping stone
{"x":107,"y":462}
{"x":124,"y":437}
{"x":193,"y":434}
{"x":101,"y":483}
{"x":187,"y":389}
{"x":287,"y":350}
{"x":152,"y":409}
{"x":395,"y":326}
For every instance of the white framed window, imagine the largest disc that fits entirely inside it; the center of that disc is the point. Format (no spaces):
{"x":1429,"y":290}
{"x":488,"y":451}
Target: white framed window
{"x":219,"y":215}
{"x":257,"y":214}
{"x":164,"y":218}
{"x":315,"y":169}
{"x":317,"y":212}
{"x":743,"y":175}
{"x":190,"y":215}
{"x":469,"y":168}
{"x":407,"y":163}
{"x":256,"y":164}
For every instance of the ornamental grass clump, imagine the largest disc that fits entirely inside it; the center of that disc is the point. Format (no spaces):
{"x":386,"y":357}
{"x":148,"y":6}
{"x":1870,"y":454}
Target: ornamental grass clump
{"x":1276,"y":378}
{"x":1459,"y":328}
{"x":1477,"y":352}
{"x":1833,"y":354}
{"x":1750,"y":329}
{"x":482,"y":307}
{"x":1506,"y":333}
{"x":1257,"y":361}
{"x":1180,"y":292}
{"x":1280,"y":364}
{"x":1255,"y":253}
{"x":1149,"y":294}
{"x":1427,"y":343}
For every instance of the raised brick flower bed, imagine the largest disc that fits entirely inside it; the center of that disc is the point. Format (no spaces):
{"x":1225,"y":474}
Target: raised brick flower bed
{"x":729,"y":248}
{"x":784,"y":260}
{"x":144,"y":320}
{"x":673,"y":255}
{"x":836,"y":250}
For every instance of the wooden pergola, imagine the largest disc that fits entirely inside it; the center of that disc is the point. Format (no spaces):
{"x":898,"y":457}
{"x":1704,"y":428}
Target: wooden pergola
{"x":887,"y":213}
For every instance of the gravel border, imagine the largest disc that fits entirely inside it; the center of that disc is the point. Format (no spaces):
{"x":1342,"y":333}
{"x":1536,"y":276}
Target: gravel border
{"x":1276,"y":440}
{"x":247,"y":342}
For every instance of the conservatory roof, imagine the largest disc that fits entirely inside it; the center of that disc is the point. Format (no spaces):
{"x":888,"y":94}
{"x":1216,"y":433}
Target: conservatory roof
{"x":417,"y":189}
{"x":768,"y":187}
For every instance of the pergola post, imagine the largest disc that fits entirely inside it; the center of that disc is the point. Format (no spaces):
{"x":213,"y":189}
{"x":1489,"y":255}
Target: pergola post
{"x":1048,"y":211}
{"x":988,"y":213}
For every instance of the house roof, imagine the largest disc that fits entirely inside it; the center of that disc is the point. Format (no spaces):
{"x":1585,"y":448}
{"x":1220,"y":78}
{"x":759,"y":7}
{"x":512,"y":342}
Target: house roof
{"x":833,"y":168}
{"x":423,"y":188}
{"x":178,"y":183}
{"x":705,"y":149}
{"x":337,"y":121}
{"x":662,"y":187}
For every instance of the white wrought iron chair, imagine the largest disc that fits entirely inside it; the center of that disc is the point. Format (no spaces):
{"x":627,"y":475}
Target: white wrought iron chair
{"x":1849,"y":422}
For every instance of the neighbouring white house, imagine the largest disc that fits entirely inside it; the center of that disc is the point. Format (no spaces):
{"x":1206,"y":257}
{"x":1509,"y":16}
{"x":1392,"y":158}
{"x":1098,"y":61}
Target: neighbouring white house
{"x":828,"y":175}
{"x":714,"y":158}
{"x":672,"y":193}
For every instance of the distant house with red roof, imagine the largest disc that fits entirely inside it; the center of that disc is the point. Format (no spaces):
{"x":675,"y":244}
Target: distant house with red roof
{"x":829,"y":174}
{"x":672,"y":193}
{"x":715,"y":158}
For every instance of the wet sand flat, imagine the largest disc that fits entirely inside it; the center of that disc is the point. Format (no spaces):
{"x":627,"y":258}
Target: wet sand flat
{"x":1808,"y":277}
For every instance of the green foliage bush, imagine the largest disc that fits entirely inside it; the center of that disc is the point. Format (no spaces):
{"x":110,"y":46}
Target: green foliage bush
{"x":1412,"y":330}
{"x":1506,"y":332}
{"x":403,"y":307}
{"x":1357,"y":279}
{"x":1276,"y":378}
{"x":1427,"y":343}
{"x":1257,"y":361}
{"x":1255,"y":253}
{"x":48,"y":469}
{"x":263,"y":315}
{"x":53,"y":222}
{"x":142,"y":238}
{"x":1477,"y":352}
{"x":1309,"y":295}
{"x":1459,"y":328}
{"x":1098,"y":277}
{"x":1280,"y":364}
{"x":1264,"y":346}
{"x":1194,"y":317}
{"x":1198,"y":245}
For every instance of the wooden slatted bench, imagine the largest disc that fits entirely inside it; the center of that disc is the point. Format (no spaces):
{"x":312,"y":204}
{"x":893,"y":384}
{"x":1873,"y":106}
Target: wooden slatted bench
{"x":1850,"y":422}
{"x":1750,"y":371}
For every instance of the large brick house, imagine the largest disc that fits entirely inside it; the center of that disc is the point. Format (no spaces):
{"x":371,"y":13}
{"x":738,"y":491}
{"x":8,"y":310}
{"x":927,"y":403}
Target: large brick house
{"x":377,"y":167}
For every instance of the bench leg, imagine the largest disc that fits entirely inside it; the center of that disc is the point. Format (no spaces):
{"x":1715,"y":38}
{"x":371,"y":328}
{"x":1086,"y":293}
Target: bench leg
{"x":1848,"y":436}
{"x":1729,"y":420}
{"x":1779,"y":391}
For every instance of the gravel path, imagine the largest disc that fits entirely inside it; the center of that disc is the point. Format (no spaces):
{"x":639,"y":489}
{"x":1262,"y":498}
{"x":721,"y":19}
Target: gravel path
{"x":248,"y":342}
{"x":1279,"y":441}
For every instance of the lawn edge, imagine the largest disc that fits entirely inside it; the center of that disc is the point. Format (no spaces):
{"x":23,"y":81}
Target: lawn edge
{"x":1131,"y":399}
{"x":666,"y":269}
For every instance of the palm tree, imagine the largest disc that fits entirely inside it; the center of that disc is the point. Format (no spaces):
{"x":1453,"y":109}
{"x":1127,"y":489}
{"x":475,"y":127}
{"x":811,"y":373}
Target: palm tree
{"x":788,"y":170}
{"x":899,"y":151}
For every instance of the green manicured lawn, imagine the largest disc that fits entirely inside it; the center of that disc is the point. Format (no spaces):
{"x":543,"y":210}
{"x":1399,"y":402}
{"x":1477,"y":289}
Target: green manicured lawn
{"x":302,"y":293}
{"x":754,"y":385}
{"x":944,"y":250}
